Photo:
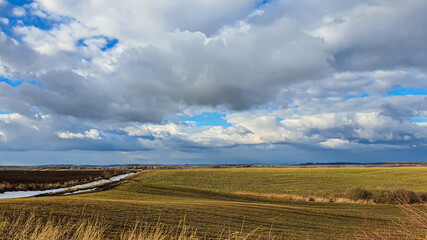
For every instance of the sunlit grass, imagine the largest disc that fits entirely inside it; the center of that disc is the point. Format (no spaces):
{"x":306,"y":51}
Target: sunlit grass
{"x":300,"y":181}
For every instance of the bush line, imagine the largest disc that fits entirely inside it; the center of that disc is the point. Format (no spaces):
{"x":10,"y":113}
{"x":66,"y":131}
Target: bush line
{"x":383,"y":196}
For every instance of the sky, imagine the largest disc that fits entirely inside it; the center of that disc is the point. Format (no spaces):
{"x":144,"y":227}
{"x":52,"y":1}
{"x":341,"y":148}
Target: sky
{"x":212,"y":81}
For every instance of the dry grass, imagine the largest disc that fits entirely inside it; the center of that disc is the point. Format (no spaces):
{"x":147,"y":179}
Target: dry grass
{"x":353,"y":195}
{"x":29,"y":226}
{"x":411,"y":226}
{"x":333,"y":198}
{"x":24,"y":225}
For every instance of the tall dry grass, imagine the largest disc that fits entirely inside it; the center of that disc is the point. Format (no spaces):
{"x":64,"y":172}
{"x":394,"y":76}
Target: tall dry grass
{"x":31,"y":227}
{"x":326,"y":198}
{"x":411,"y":226}
{"x":353,"y":195}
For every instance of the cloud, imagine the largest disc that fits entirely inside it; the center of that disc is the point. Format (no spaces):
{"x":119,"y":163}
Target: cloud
{"x":356,"y":131}
{"x":147,"y":83}
{"x":50,"y":42}
{"x":3,"y":136}
{"x":14,"y":118}
{"x":198,"y":70}
{"x":151,"y":19}
{"x":242,"y":64}
{"x":4,"y":21}
{"x":284,"y":75}
{"x":18,"y":11}
{"x":334,"y":143}
{"x":92,"y":134}
{"x":381,"y":35}
{"x":19,"y":132}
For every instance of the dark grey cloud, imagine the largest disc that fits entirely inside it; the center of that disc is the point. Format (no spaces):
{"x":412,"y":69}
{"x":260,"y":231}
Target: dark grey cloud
{"x":239,"y":68}
{"x":378,"y":35}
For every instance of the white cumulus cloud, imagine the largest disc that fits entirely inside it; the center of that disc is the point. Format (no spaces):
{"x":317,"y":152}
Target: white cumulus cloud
{"x":92,"y":134}
{"x":18,"y":11}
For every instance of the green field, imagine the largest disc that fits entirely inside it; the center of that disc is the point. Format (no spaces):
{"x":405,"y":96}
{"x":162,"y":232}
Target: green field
{"x":311,"y":181}
{"x":205,"y":199}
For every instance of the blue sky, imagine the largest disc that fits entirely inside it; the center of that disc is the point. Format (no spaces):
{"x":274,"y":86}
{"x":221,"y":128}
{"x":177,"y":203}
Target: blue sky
{"x":408,"y":91}
{"x":207,"y":119}
{"x":246,"y":81}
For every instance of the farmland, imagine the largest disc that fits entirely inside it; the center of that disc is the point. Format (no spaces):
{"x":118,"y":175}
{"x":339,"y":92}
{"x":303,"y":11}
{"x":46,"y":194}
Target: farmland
{"x":205,"y":199}
{"x":292,"y":180}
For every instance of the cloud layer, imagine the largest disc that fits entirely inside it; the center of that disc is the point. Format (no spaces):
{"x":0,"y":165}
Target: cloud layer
{"x":137,"y":75}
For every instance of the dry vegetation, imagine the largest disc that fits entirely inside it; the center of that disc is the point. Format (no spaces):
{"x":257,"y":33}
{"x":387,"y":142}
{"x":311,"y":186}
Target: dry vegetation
{"x":327,"y":198}
{"x":353,"y":195}
{"x":412,"y":226}
{"x":382,"y":196}
{"x":31,"y":227}
{"x":22,"y":225}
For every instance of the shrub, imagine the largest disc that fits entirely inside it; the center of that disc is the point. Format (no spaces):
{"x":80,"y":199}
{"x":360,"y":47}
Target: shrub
{"x":358,"y":194}
{"x":395,"y":196}
{"x":386,"y":196}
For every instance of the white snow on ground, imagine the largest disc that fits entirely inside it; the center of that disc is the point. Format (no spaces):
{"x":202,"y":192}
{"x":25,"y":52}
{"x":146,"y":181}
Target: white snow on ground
{"x":24,"y":194}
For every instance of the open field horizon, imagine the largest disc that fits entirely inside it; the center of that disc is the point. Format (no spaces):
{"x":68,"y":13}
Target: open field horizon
{"x":209,"y":204}
{"x":281,"y":119}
